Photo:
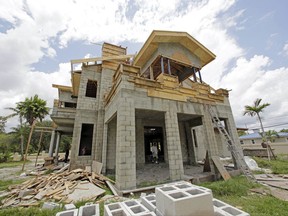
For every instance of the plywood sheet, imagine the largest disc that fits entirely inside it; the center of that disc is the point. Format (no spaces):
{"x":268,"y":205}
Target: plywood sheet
{"x":221,"y":168}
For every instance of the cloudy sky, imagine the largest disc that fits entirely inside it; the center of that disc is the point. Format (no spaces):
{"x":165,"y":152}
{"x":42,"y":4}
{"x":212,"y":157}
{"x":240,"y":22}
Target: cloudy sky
{"x":249,"y":38}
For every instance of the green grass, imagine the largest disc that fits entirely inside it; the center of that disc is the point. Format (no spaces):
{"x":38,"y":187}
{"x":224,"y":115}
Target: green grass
{"x":4,"y":184}
{"x":32,"y":211}
{"x":278,"y":166}
{"x":11,"y":164}
{"x":236,"y":193}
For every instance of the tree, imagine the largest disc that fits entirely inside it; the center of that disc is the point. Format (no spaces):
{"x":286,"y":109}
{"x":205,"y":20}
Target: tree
{"x":284,"y":130}
{"x":33,"y":108}
{"x":2,"y":124}
{"x":256,"y":109}
{"x":30,"y":109}
{"x":271,"y":135}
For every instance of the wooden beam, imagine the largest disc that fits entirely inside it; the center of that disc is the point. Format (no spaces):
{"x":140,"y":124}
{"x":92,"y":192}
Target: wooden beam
{"x":107,"y":58}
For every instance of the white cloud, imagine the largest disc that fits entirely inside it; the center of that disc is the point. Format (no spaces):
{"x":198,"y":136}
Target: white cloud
{"x":251,"y":79}
{"x":285,"y":49}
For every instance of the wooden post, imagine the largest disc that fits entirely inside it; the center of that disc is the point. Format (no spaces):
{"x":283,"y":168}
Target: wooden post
{"x":39,"y":147}
{"x":28,"y":143}
{"x":162,"y":64}
{"x":169,"y":68}
{"x":151,"y":73}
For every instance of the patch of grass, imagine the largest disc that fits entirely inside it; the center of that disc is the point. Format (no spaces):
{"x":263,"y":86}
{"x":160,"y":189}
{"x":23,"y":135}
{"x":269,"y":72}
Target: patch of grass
{"x":237,"y":186}
{"x":32,"y":211}
{"x":236,"y":193}
{"x":10,"y":164}
{"x":278,"y":166}
{"x":4,"y":184}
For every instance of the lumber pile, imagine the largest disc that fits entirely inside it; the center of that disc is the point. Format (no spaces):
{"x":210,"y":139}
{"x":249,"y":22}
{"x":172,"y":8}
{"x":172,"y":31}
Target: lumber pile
{"x":60,"y":187}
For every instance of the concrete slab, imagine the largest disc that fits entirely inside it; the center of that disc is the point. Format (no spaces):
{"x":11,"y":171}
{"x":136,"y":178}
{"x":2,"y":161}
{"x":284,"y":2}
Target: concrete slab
{"x":84,"y":191}
{"x":96,"y":167}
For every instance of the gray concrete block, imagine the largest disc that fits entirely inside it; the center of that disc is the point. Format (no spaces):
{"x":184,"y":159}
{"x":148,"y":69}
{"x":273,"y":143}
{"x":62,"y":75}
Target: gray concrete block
{"x":89,"y":210}
{"x":134,"y":207}
{"x":69,"y":206}
{"x":115,"y":209}
{"x":192,"y":201}
{"x":222,"y":208}
{"x":73,"y":212}
{"x":50,"y":205}
{"x":149,"y":202}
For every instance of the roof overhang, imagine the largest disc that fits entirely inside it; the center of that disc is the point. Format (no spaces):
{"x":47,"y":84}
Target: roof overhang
{"x":183,"y":38}
{"x":62,"y":87}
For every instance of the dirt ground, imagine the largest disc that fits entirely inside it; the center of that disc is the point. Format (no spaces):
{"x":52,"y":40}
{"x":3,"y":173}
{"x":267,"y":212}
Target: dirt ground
{"x":148,"y":174}
{"x":15,"y":172}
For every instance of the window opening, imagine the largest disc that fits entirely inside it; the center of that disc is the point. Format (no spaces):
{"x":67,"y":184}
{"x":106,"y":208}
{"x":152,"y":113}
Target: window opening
{"x":86,"y":139}
{"x":91,"y":88}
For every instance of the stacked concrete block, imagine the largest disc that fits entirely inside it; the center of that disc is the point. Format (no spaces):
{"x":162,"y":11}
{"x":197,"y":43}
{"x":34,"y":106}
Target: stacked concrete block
{"x":73,"y":212}
{"x":50,"y":205}
{"x":127,"y":208}
{"x":224,"y":209}
{"x":149,"y":202}
{"x":89,"y":210}
{"x":134,"y":207}
{"x":183,"y":185}
{"x":115,"y":209}
{"x":172,"y":200}
{"x":69,"y":206}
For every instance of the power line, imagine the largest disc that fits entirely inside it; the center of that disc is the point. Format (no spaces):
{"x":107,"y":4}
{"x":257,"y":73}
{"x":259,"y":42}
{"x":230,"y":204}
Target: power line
{"x":271,"y":126}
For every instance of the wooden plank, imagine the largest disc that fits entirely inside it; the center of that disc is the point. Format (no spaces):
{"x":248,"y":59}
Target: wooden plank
{"x":221,"y":168}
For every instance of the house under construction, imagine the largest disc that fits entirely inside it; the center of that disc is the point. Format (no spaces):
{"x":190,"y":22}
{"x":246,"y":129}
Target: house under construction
{"x":119,"y":105}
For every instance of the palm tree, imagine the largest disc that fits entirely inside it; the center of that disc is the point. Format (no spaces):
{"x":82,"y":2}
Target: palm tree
{"x":271,"y":135}
{"x":16,"y":112}
{"x":256,"y":109}
{"x":30,"y":109}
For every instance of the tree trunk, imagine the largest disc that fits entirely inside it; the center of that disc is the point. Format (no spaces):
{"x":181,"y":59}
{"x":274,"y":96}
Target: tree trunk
{"x":262,"y":128}
{"x":21,"y":139}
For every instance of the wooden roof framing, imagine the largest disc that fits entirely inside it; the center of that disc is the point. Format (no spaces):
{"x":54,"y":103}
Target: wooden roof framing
{"x":183,"y":38}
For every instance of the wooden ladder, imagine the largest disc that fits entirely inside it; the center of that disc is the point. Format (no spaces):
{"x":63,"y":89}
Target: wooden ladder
{"x":238,"y":157}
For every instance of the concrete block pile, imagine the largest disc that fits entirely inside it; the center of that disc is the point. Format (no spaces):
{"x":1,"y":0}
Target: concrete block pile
{"x":175,"y":199}
{"x":88,"y":209}
{"x":181,"y":198}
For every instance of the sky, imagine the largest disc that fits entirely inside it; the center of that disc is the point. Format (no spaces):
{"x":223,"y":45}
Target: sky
{"x":250,"y":39}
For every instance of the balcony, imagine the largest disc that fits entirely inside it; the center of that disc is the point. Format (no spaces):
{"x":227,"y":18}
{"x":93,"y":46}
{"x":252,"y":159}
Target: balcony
{"x":63,"y":113}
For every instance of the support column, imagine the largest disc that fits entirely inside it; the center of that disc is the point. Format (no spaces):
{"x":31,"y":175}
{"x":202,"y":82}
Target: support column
{"x":99,"y":135}
{"x":174,"y":146}
{"x":104,"y":149}
{"x":57,"y":147}
{"x":52,"y":141}
{"x":126,"y":145}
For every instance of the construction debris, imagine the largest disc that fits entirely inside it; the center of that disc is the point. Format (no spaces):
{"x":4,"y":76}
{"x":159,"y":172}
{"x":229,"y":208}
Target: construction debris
{"x":67,"y":187}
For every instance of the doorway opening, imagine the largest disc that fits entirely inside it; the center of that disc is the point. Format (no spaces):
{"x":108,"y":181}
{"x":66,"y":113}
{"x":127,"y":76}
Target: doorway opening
{"x":153,"y":135}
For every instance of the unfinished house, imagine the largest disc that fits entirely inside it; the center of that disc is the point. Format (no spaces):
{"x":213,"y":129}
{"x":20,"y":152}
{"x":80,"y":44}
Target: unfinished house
{"x":119,"y":105}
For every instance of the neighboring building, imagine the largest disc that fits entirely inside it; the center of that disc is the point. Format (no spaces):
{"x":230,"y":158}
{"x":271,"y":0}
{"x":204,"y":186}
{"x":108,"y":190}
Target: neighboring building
{"x":255,"y":138}
{"x":119,"y":105}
